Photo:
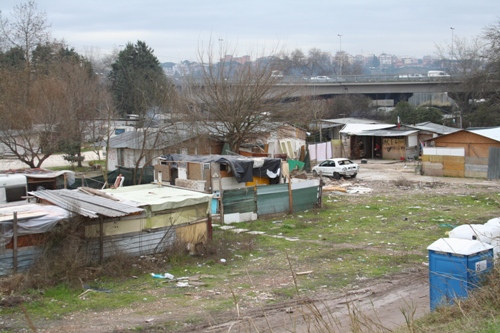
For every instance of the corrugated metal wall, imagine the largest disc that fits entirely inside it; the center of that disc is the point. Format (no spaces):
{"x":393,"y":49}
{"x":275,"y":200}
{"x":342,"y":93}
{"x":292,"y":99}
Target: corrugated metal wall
{"x":494,"y":163}
{"x":305,"y":198}
{"x":239,"y":200}
{"x":135,"y":244}
{"x":270,"y":199}
{"x":155,"y":240}
{"x":26,"y":256}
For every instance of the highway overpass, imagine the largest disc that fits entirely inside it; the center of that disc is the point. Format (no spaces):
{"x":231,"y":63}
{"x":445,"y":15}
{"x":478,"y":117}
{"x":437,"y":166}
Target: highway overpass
{"x":375,"y":87}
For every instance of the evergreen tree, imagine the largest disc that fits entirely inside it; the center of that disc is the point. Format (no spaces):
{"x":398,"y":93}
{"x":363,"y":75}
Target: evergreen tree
{"x":136,"y":77}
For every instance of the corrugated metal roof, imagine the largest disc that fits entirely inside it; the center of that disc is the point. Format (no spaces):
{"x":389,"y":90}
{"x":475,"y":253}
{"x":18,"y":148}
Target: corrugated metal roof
{"x":357,"y":129}
{"x":436,"y":128}
{"x":86,"y":205}
{"x":155,"y":137}
{"x":350,"y":120}
{"x":490,"y":133}
{"x":388,"y":132}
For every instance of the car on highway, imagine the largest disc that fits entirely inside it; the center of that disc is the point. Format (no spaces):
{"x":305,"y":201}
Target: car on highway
{"x":336,"y":168}
{"x":410,"y":76}
{"x":438,"y":74}
{"x":320,"y":78}
{"x":277,"y":74}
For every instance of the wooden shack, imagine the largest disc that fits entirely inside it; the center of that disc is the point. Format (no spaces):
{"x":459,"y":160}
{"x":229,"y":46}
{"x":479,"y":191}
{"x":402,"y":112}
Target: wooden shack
{"x":467,"y":153}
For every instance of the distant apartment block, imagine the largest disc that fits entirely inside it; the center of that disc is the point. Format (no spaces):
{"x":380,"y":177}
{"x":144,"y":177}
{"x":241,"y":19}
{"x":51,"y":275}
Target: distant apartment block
{"x":385,"y":59}
{"x":242,"y":60}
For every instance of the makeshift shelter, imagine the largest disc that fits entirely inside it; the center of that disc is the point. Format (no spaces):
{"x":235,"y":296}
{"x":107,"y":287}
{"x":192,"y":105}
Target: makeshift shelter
{"x":135,"y":220}
{"x":473,"y":152}
{"x":360,"y":141}
{"x":22,"y":229}
{"x":388,"y":141}
{"x":171,"y":215}
{"x":145,"y":144}
{"x":243,"y":187}
{"x":214,"y":172}
{"x":14,"y":184}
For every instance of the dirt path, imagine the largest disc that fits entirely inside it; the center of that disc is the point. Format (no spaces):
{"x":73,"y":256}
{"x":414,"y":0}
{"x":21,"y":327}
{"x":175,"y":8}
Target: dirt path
{"x":376,"y":303}
{"x":379,"y":303}
{"x":55,"y":160}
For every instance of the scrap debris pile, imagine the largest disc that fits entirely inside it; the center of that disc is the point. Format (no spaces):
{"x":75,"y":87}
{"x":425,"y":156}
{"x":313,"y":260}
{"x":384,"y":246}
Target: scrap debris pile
{"x":344,"y":186}
{"x":182,"y":282}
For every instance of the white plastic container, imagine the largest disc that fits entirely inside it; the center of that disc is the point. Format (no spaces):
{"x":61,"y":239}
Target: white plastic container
{"x":489,"y":234}
{"x":494,"y":222}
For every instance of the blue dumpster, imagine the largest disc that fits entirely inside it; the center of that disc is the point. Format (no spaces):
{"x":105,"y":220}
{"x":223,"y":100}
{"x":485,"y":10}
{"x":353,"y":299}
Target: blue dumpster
{"x":455,"y":267}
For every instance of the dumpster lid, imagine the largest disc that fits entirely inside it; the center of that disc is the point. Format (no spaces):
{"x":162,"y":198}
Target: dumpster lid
{"x":459,"y":246}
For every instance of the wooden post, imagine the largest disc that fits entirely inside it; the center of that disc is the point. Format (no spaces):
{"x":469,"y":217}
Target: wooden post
{"x":209,"y":227}
{"x":290,"y":196}
{"x":101,"y":240}
{"x":221,"y":203}
{"x":320,"y":196}
{"x":14,"y":241}
{"x":255,"y":200}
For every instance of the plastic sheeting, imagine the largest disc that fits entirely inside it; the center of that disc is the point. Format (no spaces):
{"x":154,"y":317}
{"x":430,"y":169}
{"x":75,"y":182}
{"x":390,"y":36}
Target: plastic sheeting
{"x":32,"y":219}
{"x":243,"y":168}
{"x":160,"y":198}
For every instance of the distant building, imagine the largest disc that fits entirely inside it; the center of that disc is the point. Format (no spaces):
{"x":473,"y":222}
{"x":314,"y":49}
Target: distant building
{"x":385,"y":59}
{"x":241,"y":60}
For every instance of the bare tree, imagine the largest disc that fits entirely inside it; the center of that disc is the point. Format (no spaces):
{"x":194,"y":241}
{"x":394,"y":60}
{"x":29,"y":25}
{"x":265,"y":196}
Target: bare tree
{"x":157,"y":131}
{"x":27,"y":29}
{"x":319,"y":63}
{"x":28,"y":126}
{"x":82,"y":96}
{"x":49,"y":107}
{"x":349,"y":105}
{"x":466,"y":61}
{"x":103,"y":126}
{"x":310,"y":112}
{"x":234,"y":100}
{"x":490,"y":63}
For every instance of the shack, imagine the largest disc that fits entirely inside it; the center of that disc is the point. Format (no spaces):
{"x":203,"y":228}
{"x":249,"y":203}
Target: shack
{"x":15,"y":184}
{"x":210,"y":173}
{"x":473,"y":153}
{"x":23,"y":227}
{"x":171,"y":215}
{"x":133,"y":220}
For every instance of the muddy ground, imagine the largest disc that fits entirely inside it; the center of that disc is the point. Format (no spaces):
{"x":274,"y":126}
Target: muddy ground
{"x":384,"y":301}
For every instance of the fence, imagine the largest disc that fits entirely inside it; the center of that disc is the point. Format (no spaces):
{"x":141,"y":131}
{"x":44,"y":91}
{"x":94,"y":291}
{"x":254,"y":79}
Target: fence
{"x":251,"y":202}
{"x":452,"y":162}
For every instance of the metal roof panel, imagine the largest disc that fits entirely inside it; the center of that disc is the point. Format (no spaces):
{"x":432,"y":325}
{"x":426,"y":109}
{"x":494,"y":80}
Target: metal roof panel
{"x":85,"y":204}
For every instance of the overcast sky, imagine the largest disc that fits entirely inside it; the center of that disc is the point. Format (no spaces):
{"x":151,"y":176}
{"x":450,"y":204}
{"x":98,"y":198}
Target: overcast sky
{"x":177,"y":30}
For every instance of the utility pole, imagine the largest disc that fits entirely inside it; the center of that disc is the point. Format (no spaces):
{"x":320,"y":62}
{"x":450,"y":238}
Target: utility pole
{"x":340,"y":54}
{"x":452,"y":55}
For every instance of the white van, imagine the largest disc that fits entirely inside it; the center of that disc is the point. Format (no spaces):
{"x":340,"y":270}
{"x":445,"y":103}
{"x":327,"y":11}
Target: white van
{"x":276,"y":74}
{"x":441,"y":74}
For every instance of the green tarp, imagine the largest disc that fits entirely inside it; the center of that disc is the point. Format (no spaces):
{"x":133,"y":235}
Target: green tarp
{"x":98,"y":181}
